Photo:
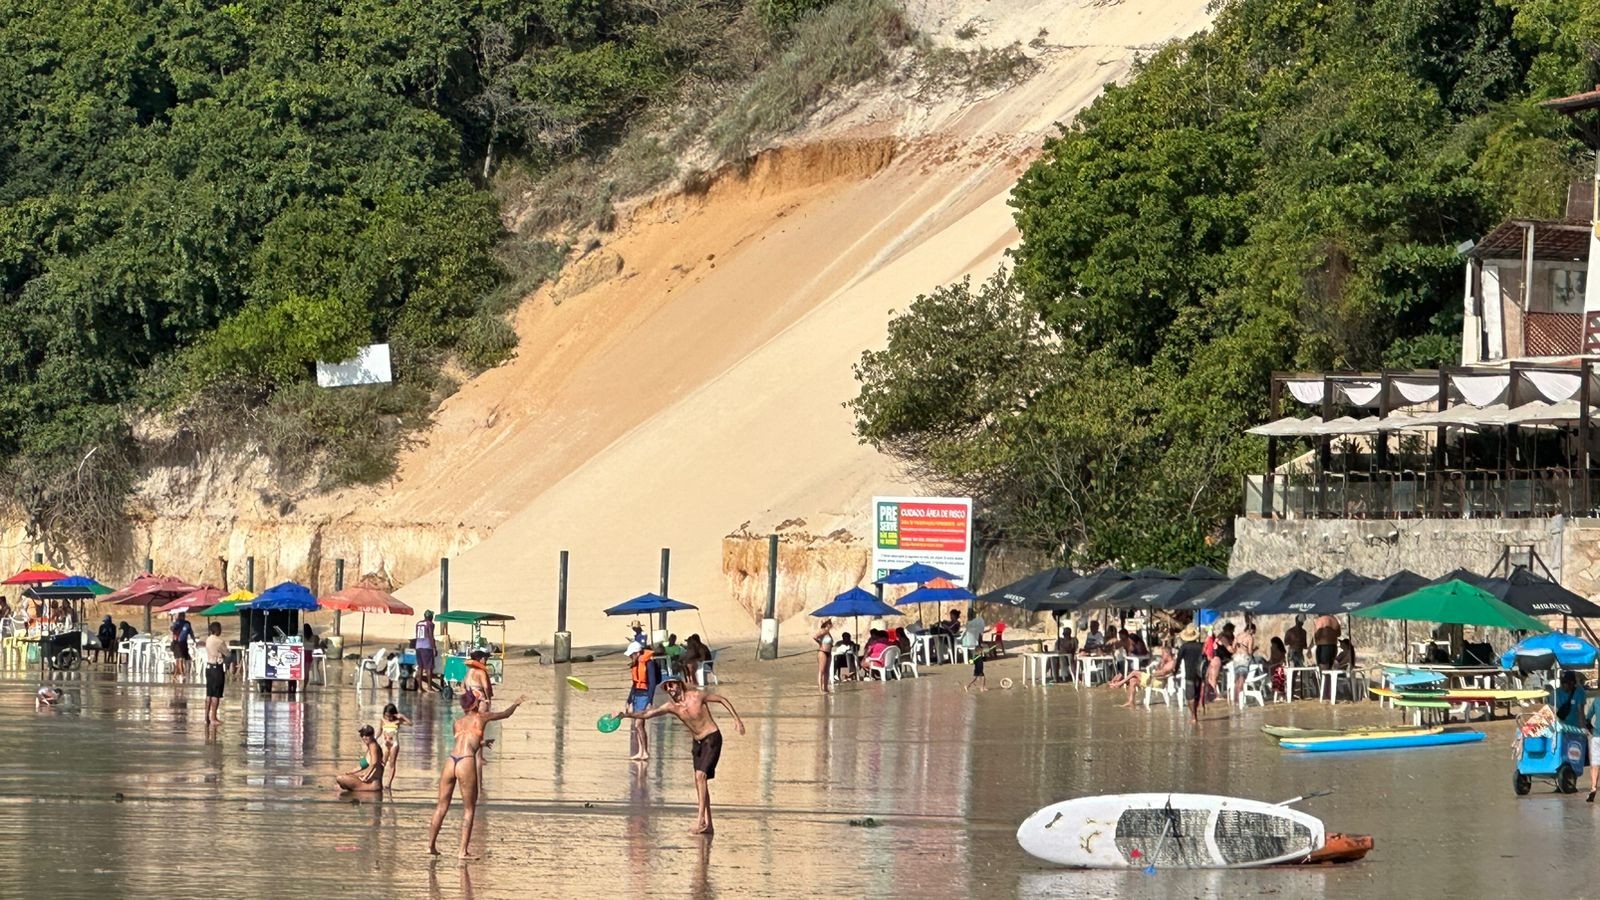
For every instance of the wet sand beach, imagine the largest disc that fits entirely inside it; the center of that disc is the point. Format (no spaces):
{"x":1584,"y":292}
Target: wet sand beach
{"x":122,"y":792}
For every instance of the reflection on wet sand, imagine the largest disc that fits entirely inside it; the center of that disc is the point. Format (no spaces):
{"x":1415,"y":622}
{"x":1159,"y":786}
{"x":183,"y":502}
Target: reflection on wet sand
{"x":945,"y":776}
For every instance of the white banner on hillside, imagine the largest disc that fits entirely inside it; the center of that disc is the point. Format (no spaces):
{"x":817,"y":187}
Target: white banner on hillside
{"x":370,"y":366}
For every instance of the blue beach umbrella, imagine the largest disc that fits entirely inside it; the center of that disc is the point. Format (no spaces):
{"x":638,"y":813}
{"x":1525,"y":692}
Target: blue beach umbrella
{"x":931,"y":594}
{"x":1571,"y":652}
{"x":916,"y":573}
{"x":648,"y":603}
{"x":286,"y":595}
{"x":854,"y":602}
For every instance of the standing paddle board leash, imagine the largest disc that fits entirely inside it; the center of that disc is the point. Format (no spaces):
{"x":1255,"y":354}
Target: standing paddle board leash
{"x":1171,"y":827}
{"x":1311,"y":796}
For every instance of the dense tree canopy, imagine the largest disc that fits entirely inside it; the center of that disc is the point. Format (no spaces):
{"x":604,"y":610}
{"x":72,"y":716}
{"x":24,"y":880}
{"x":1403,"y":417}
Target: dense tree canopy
{"x":201,"y":197}
{"x":1285,"y":190}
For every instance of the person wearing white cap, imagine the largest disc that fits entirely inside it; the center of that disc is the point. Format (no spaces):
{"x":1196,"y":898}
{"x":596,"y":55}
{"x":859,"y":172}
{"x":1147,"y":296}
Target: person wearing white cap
{"x":641,"y":687}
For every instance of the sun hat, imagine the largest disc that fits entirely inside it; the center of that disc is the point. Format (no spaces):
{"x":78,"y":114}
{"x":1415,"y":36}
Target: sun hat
{"x":1189,"y":633}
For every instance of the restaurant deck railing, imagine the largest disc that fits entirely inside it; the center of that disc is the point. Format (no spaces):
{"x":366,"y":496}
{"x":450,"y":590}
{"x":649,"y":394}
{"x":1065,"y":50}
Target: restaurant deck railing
{"x":1446,"y":494}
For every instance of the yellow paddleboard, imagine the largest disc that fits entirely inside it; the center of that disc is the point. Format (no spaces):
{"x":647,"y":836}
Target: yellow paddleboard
{"x":1368,"y":735}
{"x":1463,"y":695}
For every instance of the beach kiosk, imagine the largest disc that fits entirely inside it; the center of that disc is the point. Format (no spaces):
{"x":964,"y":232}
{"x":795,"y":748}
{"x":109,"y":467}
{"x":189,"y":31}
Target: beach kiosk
{"x":276,"y":652}
{"x":455,"y":662}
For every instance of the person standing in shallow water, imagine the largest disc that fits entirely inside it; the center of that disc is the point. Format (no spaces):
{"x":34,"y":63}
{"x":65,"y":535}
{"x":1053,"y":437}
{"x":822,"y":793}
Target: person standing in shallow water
{"x":182,"y":634}
{"x":1192,"y":656}
{"x":461,"y":768}
{"x":824,"y":639}
{"x":425,"y":650}
{"x":693,"y":710}
{"x":216,"y":672}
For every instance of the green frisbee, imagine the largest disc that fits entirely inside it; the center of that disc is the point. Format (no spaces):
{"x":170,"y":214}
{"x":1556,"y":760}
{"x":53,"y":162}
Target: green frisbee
{"x":609,"y":723}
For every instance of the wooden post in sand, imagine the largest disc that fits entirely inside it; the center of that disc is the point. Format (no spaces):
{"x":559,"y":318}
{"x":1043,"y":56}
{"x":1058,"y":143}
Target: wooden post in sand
{"x":149,"y":569}
{"x":666,"y":564}
{"x":563,"y":641}
{"x":338,"y":585}
{"x":768,"y":646}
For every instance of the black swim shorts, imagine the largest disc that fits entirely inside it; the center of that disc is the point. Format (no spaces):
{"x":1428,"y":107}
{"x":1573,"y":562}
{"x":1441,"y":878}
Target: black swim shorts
{"x":707,"y":751}
{"x":1191,"y":689}
{"x":215,"y":678}
{"x":180,"y":650}
{"x":1326,"y":654}
{"x":977,"y":666}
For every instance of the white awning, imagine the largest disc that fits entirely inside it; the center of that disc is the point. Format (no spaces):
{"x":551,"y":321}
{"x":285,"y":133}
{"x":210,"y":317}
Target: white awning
{"x":1288,"y":426}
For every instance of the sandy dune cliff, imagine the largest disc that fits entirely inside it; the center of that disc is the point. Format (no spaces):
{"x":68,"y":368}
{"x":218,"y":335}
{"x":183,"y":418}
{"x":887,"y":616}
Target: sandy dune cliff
{"x":686,"y":379}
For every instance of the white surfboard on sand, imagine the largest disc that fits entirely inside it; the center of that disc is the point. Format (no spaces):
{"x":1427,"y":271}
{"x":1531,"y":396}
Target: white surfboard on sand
{"x":1191,"y":831}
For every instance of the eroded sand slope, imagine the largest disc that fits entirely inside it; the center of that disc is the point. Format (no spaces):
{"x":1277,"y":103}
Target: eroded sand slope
{"x":698,"y":384}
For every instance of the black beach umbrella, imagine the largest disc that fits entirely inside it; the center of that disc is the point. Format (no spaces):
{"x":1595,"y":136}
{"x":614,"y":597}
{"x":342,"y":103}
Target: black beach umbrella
{"x":1462,"y":575}
{"x":1325,"y":597}
{"x":1168,"y":593}
{"x":1032,"y":593}
{"x":1227,"y":591}
{"x":1076,"y":593}
{"x":1277,"y":592}
{"x":1139,"y":581}
{"x":1536,"y":596}
{"x":1399,"y":584}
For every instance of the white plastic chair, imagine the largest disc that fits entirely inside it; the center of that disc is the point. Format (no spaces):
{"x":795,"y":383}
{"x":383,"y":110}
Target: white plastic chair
{"x":887,"y":665}
{"x":908,"y":662}
{"x":371,"y":666}
{"x":1168,"y":690}
{"x":707,"y":673}
{"x":1255,"y":677}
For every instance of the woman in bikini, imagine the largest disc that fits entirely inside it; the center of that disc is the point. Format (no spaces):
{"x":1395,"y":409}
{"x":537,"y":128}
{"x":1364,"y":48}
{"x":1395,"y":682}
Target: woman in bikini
{"x":389,"y":727}
{"x":369,"y":777}
{"x":824,"y":639}
{"x":462,"y":768}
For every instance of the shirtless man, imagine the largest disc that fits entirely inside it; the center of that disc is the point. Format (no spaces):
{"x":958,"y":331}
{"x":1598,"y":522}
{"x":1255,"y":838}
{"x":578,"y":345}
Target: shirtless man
{"x":692,"y":709}
{"x":462,"y":769}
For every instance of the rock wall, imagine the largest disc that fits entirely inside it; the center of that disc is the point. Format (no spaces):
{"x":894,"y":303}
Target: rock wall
{"x":297,"y":548}
{"x":1569,"y":548}
{"x":1379,"y":548}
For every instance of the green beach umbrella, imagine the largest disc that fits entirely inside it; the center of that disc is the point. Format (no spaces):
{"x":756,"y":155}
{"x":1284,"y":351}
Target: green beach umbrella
{"x":232,"y":604}
{"x":1453,"y":603}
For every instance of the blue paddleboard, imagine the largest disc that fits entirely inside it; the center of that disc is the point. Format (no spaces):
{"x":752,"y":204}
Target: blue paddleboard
{"x":1415,"y":679}
{"x":1391,"y":742}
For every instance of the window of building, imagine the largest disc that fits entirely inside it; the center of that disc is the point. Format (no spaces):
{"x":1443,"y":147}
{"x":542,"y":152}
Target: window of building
{"x":1566,"y":290}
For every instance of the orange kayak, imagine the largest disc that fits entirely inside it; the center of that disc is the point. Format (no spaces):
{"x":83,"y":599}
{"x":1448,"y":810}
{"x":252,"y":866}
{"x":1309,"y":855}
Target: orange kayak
{"x":1339,"y":848}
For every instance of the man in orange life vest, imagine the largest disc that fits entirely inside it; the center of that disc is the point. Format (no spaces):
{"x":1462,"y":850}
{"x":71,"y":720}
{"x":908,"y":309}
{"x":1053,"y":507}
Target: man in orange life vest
{"x":640,"y":690}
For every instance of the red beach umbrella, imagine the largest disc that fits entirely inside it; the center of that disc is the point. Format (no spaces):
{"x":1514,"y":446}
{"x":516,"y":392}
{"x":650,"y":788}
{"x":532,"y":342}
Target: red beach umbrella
{"x":207,"y":596}
{"x":365,"y":597}
{"x":36,"y":575}
{"x":361,"y":598}
{"x":148,"y":591}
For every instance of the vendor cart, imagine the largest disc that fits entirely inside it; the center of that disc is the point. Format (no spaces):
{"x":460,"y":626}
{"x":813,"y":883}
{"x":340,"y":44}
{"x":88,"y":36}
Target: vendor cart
{"x":1549,"y":749}
{"x":455,"y":662}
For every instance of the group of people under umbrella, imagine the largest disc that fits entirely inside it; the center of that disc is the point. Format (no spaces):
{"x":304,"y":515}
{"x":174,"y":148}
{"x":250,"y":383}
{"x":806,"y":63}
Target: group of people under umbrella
{"x":1201,"y":596}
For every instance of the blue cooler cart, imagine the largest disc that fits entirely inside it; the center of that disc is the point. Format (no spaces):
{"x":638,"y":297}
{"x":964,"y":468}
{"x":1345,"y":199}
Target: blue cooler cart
{"x":1556,"y":751}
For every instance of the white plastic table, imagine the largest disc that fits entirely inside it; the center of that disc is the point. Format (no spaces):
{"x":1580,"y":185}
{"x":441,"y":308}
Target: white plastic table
{"x":1291,"y":675}
{"x":1036,"y":666}
{"x":1087,"y":666}
{"x":933,"y":647}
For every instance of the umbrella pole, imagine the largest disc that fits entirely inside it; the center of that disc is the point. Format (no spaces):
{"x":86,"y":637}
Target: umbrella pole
{"x":147,"y":619}
{"x":361,"y":649}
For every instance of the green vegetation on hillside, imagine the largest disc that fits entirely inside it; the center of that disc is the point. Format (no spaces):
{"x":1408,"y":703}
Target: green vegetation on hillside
{"x":1283,"y":191}
{"x":200,"y":199}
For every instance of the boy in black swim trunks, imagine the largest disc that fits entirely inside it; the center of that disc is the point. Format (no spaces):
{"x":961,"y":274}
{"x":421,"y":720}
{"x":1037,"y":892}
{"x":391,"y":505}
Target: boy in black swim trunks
{"x":692,"y":709}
